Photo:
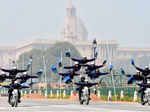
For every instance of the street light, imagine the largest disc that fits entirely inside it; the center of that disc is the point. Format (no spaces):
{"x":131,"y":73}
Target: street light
{"x":94,"y":54}
{"x":30,"y":61}
{"x":94,"y":48}
{"x":94,"y":43}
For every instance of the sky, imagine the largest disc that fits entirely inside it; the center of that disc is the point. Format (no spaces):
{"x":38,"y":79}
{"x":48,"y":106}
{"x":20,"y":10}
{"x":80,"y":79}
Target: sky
{"x":127,"y":21}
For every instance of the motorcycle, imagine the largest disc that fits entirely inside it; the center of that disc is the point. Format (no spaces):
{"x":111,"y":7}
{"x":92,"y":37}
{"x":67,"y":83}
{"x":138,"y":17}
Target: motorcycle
{"x":146,"y":97}
{"x":14,"y":98}
{"x":85,"y":96}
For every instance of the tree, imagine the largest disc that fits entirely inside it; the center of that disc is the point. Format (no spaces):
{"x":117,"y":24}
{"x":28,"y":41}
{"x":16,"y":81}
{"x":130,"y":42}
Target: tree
{"x":51,"y":57}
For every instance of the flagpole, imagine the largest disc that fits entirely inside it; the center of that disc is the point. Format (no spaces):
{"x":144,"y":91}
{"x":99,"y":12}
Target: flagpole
{"x":45,"y":73}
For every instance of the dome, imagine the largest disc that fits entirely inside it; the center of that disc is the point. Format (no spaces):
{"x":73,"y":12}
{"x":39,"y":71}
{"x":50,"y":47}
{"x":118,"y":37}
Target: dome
{"x":74,"y":28}
{"x":70,"y":6}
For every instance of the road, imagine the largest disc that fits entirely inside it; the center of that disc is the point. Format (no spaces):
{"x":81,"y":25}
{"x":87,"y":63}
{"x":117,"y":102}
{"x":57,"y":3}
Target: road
{"x":59,"y":106}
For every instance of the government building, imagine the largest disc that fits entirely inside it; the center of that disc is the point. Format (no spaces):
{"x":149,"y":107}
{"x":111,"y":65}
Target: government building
{"x":75,"y":32}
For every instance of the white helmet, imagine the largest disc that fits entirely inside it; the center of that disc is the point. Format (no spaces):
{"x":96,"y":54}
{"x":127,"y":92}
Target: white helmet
{"x":92,"y":63}
{"x":24,"y":73}
{"x":146,"y":67}
{"x":86,"y":80}
{"x":14,"y":67}
{"x":84,"y":57}
{"x":16,"y":82}
{"x":76,"y":63}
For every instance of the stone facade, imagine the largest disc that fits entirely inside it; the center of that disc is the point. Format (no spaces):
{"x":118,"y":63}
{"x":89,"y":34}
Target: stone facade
{"x":74,"y":32}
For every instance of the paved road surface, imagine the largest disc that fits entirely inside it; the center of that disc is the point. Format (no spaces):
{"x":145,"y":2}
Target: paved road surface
{"x":53,"y":106}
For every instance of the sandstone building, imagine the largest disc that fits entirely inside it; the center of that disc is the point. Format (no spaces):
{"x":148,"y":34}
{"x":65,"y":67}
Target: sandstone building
{"x":75,"y":32}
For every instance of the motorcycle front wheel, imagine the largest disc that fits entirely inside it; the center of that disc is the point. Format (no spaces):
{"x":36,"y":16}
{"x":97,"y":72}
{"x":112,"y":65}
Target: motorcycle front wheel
{"x":14,"y":101}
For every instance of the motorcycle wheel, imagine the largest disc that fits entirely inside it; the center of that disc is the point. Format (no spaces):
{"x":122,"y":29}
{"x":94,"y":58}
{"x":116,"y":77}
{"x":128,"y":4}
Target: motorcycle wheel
{"x":148,"y":100}
{"x":143,"y":101}
{"x":11,"y":101}
{"x":16,"y":102}
{"x":87,"y":102}
{"x":81,"y":102}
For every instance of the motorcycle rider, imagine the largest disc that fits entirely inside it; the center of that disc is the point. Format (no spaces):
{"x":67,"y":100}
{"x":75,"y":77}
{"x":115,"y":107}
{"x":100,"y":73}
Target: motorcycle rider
{"x":23,"y":78}
{"x":84,"y":60}
{"x":143,"y":85}
{"x":96,"y":74}
{"x":93,"y":67}
{"x":84,"y":82}
{"x":11,"y":87}
{"x":3,"y":77}
{"x":145,"y":71}
{"x":13,"y":72}
{"x":76,"y":67}
{"x":68,"y":76}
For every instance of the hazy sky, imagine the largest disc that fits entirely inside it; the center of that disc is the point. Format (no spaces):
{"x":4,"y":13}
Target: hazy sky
{"x":127,"y":21}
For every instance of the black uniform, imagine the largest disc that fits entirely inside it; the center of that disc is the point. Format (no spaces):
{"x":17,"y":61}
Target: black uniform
{"x":94,"y":75}
{"x":13,"y":86}
{"x":24,"y":78}
{"x":82,"y":84}
{"x":76,"y":67}
{"x":68,"y":76}
{"x":13,"y":72}
{"x":83,"y":61}
{"x":145,"y":72}
{"x":92,"y":67}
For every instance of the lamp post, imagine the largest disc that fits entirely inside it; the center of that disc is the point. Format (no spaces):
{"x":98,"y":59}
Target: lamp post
{"x":30,"y":61}
{"x":45,"y":70}
{"x":94,"y":46}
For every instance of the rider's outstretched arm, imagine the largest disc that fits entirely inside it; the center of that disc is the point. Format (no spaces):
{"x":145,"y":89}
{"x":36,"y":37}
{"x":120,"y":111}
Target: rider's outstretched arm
{"x":21,"y":71}
{"x":24,"y":87}
{"x":139,"y":69}
{"x":6,"y":87}
{"x":74,"y":59}
{"x":33,"y":76}
{"x":100,"y":66}
{"x":89,"y":60}
{"x":6,"y":70}
{"x":76,"y":74}
{"x":92,"y":84}
{"x":63,"y":74}
{"x":103,"y":73}
{"x":78,"y":84}
{"x":69,"y":67}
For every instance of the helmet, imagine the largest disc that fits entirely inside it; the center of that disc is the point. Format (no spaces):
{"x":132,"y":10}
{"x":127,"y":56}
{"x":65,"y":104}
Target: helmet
{"x":86,"y":80}
{"x":24,"y":73}
{"x":84,"y":57}
{"x":16,"y":82}
{"x":146,"y":67}
{"x":97,"y":71}
{"x":148,"y":81}
{"x":76,"y":63}
{"x":14,"y":67}
{"x":138,"y":72}
{"x":92,"y":63}
{"x":82,"y":78}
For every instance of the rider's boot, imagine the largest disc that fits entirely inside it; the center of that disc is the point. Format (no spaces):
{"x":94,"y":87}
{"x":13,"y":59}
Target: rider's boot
{"x":19,"y":101}
{"x":9,"y":95}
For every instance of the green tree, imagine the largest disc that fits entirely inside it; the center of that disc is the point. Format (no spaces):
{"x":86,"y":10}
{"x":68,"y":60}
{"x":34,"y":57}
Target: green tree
{"x":51,"y":57}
